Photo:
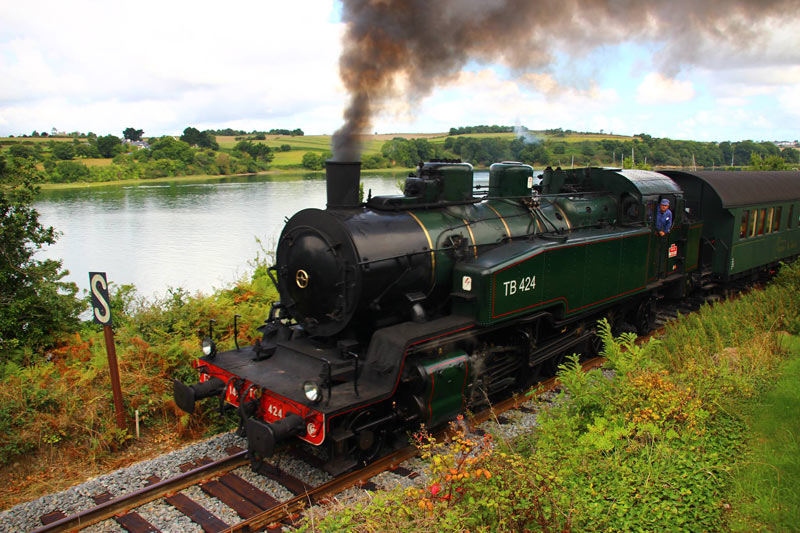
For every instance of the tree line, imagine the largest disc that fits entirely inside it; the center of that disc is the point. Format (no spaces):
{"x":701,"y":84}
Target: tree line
{"x":463,"y":130}
{"x":643,"y":151}
{"x":229,"y":132}
{"x":194,"y":152}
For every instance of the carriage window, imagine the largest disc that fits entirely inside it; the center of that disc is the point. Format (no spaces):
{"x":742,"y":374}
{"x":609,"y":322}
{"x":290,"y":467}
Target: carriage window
{"x":770,"y":215}
{"x":743,"y":227}
{"x":762,"y":215}
{"x":753,"y":222}
{"x":776,"y":222}
{"x":791,"y":217}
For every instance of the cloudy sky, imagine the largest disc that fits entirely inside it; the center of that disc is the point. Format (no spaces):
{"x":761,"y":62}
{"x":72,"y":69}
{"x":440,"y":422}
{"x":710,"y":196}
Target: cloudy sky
{"x":162,"y":66}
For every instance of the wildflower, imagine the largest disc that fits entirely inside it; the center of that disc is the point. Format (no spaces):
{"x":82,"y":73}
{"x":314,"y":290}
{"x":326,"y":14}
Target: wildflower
{"x":435,"y":489}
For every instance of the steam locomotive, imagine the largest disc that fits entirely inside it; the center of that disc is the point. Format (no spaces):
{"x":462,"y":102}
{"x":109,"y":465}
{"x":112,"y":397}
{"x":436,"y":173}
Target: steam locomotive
{"x":410,"y":309}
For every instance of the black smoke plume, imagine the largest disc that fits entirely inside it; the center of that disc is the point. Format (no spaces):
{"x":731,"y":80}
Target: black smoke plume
{"x":407,"y":47}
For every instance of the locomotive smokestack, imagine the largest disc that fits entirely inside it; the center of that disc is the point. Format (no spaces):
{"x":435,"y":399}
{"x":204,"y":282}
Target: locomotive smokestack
{"x":343,"y":180}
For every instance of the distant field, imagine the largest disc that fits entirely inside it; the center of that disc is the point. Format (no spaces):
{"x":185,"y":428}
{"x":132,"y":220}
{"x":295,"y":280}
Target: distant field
{"x":588,"y":137}
{"x":39,"y":139}
{"x":322,"y":143}
{"x":98,"y":162}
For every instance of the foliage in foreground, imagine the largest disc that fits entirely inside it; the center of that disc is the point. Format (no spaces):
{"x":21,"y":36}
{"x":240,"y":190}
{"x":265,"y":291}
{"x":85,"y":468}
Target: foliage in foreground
{"x":651,"y":447}
{"x":37,"y":306}
{"x":67,"y":398}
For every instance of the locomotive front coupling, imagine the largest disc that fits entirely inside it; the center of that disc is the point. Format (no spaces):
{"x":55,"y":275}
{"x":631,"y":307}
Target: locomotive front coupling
{"x":262,"y":437}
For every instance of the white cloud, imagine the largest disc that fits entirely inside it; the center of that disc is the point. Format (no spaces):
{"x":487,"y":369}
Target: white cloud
{"x":163,"y":66}
{"x":657,"y":89}
{"x":789,"y":99}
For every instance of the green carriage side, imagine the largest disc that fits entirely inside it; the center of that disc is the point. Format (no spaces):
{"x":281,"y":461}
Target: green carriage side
{"x":751,"y":219}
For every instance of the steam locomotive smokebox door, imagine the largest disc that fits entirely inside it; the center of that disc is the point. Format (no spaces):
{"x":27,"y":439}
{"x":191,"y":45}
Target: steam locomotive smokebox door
{"x":318,"y":275}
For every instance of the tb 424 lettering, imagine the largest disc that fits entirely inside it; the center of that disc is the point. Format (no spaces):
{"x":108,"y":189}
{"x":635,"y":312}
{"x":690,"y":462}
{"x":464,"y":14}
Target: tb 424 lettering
{"x":528,"y":283}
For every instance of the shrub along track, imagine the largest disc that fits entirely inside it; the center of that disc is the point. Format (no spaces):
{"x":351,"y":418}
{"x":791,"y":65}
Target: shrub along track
{"x":258,"y":509}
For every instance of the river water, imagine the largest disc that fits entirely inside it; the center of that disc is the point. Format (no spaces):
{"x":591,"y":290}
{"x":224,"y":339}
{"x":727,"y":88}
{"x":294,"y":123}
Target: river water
{"x":198,"y":235}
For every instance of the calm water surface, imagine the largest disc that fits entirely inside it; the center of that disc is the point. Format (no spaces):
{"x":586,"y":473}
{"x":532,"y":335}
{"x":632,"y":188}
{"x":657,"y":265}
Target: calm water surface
{"x":196,"y":235}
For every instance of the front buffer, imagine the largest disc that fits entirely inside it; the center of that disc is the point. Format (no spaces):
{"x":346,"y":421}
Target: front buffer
{"x":269,"y":418}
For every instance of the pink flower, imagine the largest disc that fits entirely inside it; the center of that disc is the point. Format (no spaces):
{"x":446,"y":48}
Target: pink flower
{"x":435,"y":489}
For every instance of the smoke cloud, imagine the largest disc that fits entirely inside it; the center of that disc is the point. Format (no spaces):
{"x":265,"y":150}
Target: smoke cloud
{"x":406,"y":48}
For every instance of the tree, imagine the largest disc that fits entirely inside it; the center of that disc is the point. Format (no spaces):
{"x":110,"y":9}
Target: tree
{"x":312,"y":161}
{"x":191,"y":136}
{"x":109,"y":145}
{"x":86,"y":150}
{"x":23,"y":151}
{"x":169,"y":148}
{"x":256,"y":150}
{"x":790,"y":155}
{"x":37,"y":305}
{"x":204,"y":139}
{"x":70,"y":172}
{"x":132,"y":134}
{"x":772,"y":162}
{"x":63,"y":150}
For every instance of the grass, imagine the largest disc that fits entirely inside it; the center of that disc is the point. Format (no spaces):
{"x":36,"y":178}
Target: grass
{"x":767,"y":483}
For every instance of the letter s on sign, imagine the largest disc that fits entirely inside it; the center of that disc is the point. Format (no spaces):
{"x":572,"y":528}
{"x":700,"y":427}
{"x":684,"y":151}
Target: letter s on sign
{"x":100,"y":305}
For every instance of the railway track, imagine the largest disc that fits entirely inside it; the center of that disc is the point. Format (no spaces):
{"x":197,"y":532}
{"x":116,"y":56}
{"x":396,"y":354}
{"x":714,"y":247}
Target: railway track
{"x":259,"y":510}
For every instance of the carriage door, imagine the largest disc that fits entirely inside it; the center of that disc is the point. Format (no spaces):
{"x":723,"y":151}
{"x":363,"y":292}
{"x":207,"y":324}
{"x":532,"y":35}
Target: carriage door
{"x":650,"y":216}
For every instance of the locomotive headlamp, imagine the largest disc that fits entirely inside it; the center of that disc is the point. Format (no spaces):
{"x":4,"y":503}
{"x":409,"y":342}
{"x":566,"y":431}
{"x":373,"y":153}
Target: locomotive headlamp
{"x":312,"y":391}
{"x":209,"y":347}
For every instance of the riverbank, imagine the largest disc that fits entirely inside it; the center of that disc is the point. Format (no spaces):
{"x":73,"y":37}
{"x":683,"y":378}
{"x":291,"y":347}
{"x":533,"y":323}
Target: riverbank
{"x":277,"y":174}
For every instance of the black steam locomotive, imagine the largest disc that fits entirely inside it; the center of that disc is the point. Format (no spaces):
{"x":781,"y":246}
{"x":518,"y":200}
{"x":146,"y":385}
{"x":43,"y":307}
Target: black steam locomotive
{"x":409,"y":309}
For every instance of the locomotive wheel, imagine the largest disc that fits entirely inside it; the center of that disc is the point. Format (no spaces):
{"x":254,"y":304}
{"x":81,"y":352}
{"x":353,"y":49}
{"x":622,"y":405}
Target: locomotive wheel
{"x":365,"y":445}
{"x":645,"y":316}
{"x":595,"y":344}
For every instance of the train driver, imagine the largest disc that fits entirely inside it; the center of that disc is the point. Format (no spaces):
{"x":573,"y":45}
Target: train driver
{"x":664,"y":218}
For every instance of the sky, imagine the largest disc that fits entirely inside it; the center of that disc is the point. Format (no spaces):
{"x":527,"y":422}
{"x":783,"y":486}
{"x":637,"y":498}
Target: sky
{"x":257,"y":65}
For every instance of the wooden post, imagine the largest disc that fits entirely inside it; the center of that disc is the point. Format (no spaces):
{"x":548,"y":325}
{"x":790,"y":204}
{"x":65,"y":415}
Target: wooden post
{"x":114,"y":371}
{"x":101,"y":310}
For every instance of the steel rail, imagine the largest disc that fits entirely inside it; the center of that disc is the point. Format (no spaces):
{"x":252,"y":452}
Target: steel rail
{"x":141,"y":496}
